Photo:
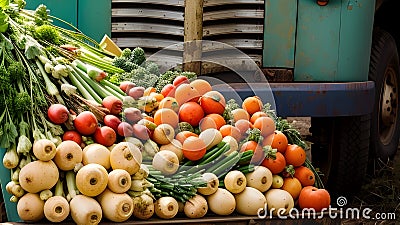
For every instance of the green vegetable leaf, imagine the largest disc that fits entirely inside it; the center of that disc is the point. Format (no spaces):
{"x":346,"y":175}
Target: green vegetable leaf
{"x":3,"y":21}
{"x":31,"y":49}
{"x":4,"y":3}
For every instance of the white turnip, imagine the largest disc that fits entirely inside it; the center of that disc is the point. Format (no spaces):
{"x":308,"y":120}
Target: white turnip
{"x":38,"y":175}
{"x":96,"y":153}
{"x":117,"y":207}
{"x":126,"y":156}
{"x":44,"y":149}
{"x":92,"y":179}
{"x":166,"y":207}
{"x":85,"y":210}
{"x":30,"y":207}
{"x":68,"y":154}
{"x":196,"y":207}
{"x":119,"y":181}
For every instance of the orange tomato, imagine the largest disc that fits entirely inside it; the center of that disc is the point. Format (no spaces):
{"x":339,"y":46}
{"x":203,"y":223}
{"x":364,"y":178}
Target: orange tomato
{"x":149,"y":90}
{"x":304,"y":175}
{"x":275,"y":165}
{"x":186,"y":93}
{"x":212,"y":121}
{"x":252,"y":104}
{"x":277,"y":140}
{"x":258,"y":154}
{"x":243,"y":126}
{"x":266,"y":125}
{"x":181,"y":136}
{"x":213,"y":102}
{"x":169,"y":102}
{"x":316,"y":198}
{"x":193,"y":148}
{"x":295,"y":155}
{"x":293,"y":186}
{"x":157,"y":96}
{"x":239,"y":114}
{"x":167,"y":116}
{"x":191,"y":112}
{"x":202,"y":86}
{"x":256,"y":115}
{"x":229,"y":130}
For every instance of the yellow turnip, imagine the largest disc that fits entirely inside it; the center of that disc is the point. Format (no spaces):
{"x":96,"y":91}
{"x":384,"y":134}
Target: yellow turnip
{"x":38,"y":175}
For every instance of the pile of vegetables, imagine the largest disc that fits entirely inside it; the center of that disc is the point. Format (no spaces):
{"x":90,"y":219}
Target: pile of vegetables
{"x":89,"y":135}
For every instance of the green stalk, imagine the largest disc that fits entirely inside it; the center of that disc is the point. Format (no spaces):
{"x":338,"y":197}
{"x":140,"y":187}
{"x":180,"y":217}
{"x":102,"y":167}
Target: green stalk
{"x":113,"y":86}
{"x":113,"y":92}
{"x":71,"y":184}
{"x":222,"y":162}
{"x":96,"y":86}
{"x":86,"y":91}
{"x":50,"y":87}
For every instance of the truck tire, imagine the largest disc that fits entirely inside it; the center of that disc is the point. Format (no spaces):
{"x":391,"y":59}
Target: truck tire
{"x":385,"y":120}
{"x":341,"y":151}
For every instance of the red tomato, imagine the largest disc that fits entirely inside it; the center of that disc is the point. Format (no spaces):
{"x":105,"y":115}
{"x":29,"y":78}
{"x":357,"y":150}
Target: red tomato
{"x":312,"y":197}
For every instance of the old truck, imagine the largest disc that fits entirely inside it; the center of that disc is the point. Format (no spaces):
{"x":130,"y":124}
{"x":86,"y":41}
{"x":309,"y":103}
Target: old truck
{"x":336,"y":61}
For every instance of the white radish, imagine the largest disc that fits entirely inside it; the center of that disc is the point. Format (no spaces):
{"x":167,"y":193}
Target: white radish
{"x":85,"y":210}
{"x":44,"y":149}
{"x":143,"y":207}
{"x":92,"y":179}
{"x":117,"y":207}
{"x":68,"y":154}
{"x":38,"y":175}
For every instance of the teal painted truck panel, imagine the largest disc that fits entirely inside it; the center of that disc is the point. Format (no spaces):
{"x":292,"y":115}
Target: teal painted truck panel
{"x":279,"y":33}
{"x":333,"y":42}
{"x":94,"y":18}
{"x":67,"y":12}
{"x":317,"y":41}
{"x":355,"y":40}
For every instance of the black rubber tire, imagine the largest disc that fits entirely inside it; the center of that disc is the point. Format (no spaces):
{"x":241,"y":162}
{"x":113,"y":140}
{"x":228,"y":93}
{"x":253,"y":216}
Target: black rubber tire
{"x":385,"y":71}
{"x":343,"y":151}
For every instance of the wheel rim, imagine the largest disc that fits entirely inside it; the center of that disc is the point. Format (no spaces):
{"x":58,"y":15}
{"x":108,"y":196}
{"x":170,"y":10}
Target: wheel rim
{"x":388,"y":107}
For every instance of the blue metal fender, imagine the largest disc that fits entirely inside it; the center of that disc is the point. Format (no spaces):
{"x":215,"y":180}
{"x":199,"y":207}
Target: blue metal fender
{"x":313,"y":99}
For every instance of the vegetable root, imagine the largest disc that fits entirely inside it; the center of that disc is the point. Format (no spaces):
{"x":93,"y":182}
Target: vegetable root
{"x":117,"y":207}
{"x":85,"y":210}
{"x":44,"y":149}
{"x":119,"y":181}
{"x":68,"y":154}
{"x":30,"y":207}
{"x":56,"y":209}
{"x":92,"y":179}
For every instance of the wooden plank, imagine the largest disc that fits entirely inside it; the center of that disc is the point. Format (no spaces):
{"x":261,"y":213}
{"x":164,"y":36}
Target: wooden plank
{"x":147,"y":43}
{"x":232,"y":29}
{"x":234,"y":14}
{"x":146,"y":28}
{"x":243,"y":43}
{"x":236,"y":2}
{"x":279,"y":33}
{"x":158,"y":2}
{"x":193,"y":32}
{"x":147,"y":13}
